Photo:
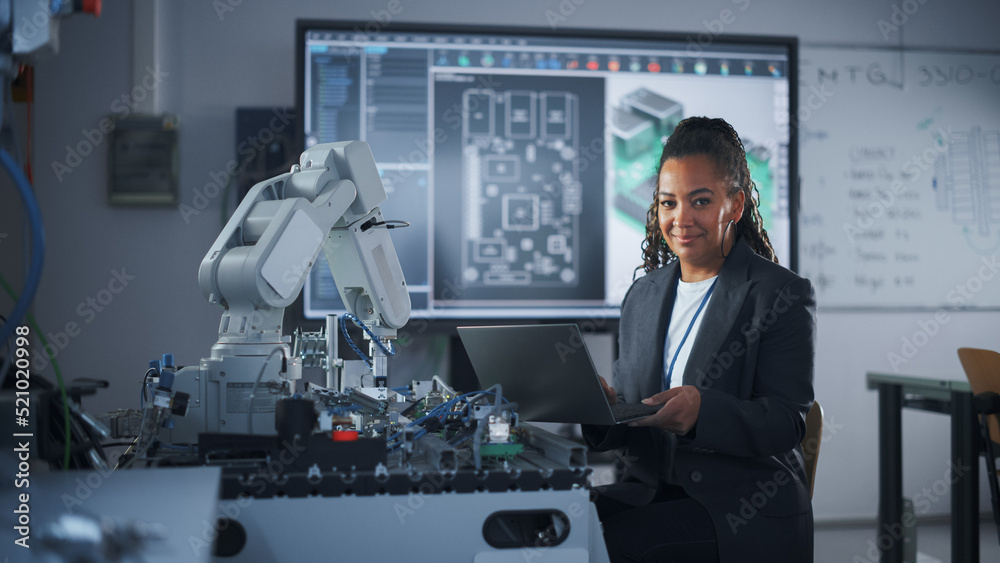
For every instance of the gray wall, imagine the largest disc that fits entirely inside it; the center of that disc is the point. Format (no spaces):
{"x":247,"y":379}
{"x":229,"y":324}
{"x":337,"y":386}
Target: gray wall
{"x":215,"y":62}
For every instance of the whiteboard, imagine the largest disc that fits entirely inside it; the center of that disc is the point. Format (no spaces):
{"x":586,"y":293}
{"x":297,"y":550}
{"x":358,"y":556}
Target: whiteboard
{"x":900,"y":178}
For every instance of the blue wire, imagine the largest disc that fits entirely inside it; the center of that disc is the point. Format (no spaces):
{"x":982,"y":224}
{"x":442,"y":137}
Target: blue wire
{"x":339,"y":410}
{"x":504,"y":399}
{"x":343,"y":329}
{"x":440,"y":412}
{"x":416,"y":436}
{"x":414,"y":423}
{"x":37,"y":246}
{"x":377,"y":342}
{"x":458,"y":443}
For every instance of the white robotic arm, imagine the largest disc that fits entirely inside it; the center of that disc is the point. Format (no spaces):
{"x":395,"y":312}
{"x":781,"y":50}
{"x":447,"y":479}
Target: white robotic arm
{"x":261,"y":259}
{"x":257,"y":267}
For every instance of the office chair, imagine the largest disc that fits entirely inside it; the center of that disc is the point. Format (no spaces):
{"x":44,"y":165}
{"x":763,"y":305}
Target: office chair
{"x":811,"y":441}
{"x":982,"y":367}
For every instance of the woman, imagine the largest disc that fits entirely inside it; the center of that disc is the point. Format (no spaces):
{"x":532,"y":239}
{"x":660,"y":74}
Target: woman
{"x":722,"y":337}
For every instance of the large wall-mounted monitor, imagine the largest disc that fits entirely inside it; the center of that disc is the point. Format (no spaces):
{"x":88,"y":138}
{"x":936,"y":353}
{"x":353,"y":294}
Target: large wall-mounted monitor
{"x":524,"y":159}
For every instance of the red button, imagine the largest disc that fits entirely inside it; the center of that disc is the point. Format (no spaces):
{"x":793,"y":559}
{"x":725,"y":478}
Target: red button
{"x":92,"y":7}
{"x":344,"y":435}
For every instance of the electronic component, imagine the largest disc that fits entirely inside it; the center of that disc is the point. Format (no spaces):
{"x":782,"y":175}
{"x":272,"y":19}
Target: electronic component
{"x":122,"y":423}
{"x":499,"y":429}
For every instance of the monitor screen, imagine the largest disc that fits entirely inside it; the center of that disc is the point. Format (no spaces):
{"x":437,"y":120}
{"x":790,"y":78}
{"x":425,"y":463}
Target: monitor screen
{"x":524,"y":160}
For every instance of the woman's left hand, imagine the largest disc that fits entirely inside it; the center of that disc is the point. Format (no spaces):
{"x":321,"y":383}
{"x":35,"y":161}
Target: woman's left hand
{"x":680,"y":410}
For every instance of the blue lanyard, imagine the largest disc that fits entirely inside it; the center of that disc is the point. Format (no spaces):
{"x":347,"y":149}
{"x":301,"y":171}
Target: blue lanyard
{"x":711,"y":288}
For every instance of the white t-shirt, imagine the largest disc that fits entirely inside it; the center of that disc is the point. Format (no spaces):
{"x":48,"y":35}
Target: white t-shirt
{"x":688,"y":299}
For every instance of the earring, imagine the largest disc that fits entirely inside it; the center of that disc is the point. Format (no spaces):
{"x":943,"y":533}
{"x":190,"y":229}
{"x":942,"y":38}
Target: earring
{"x":722,"y":246}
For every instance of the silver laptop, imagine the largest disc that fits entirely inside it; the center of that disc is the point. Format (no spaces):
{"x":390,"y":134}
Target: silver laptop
{"x":547,"y":370}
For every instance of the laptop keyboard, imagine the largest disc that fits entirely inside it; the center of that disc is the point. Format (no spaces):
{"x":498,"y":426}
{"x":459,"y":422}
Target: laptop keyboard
{"x":628,"y":411}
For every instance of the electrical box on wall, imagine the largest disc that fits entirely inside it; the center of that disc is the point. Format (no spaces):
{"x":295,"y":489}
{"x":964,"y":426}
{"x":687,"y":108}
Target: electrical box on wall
{"x":143,"y":167}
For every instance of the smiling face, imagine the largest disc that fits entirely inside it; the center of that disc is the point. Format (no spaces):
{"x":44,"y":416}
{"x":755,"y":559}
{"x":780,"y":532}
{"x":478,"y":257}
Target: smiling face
{"x":694,"y":208}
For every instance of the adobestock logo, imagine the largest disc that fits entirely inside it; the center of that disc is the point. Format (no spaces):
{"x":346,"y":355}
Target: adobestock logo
{"x":899,"y":15}
{"x":928,"y":328}
{"x":121,"y":107}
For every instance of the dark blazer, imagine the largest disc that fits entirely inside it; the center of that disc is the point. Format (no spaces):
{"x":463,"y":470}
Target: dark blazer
{"x":753,"y":363}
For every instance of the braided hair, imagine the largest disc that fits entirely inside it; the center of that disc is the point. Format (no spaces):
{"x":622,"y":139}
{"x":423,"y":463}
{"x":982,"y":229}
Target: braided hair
{"x":719,"y":141}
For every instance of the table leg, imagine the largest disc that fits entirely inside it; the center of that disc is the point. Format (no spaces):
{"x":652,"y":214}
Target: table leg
{"x":890,"y":513}
{"x":965,"y":480}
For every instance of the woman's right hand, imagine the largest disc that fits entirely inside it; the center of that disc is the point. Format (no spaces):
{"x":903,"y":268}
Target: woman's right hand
{"x":609,"y":391}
